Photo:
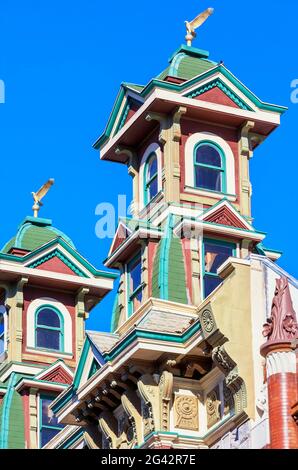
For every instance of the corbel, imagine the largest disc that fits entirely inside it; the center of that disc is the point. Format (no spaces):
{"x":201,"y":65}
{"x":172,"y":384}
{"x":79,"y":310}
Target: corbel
{"x":19,"y":292}
{"x":80,"y":303}
{"x":245,"y":149}
{"x":131,"y":158}
{"x":176,"y":122}
{"x":161,"y":118}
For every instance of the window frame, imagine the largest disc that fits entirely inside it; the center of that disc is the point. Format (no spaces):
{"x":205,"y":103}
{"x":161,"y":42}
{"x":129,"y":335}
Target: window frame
{"x":148,"y":181}
{"x":4,"y":334}
{"x":214,"y":241}
{"x":45,"y":396}
{"x":60,"y":329}
{"x":131,"y":295}
{"x":221,"y":169}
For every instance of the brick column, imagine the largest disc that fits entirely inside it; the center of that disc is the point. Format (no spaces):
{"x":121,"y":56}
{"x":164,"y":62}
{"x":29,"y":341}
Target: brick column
{"x":282,"y":394}
{"x":281,"y":331}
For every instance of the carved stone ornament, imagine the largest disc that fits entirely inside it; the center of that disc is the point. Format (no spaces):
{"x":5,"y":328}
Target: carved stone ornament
{"x":223,"y":360}
{"x":149,"y":392}
{"x":212,"y":408}
{"x":282,"y":325}
{"x":207,"y":320}
{"x":186,"y":412}
{"x":165,"y":392}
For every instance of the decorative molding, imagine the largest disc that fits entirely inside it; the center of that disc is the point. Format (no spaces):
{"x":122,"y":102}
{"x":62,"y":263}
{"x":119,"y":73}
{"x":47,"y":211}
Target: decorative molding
{"x":165,"y":391}
{"x":281,"y":363}
{"x":282,"y":326}
{"x":224,"y":88}
{"x":63,"y":258}
{"x":131,"y":406}
{"x":186,"y":412}
{"x":213,"y":408}
{"x":148,"y":390}
{"x":223,"y":360}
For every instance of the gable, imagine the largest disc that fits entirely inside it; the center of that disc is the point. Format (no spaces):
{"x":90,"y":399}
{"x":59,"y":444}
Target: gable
{"x":121,"y":234}
{"x":218,"y":92}
{"x":57,"y":372}
{"x":225,"y":216}
{"x":58,"y":375}
{"x":57,"y":262}
{"x":129,"y":110}
{"x":216,"y":95}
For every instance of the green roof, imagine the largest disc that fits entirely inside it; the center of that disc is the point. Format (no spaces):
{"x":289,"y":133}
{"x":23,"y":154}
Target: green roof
{"x":33,"y":233}
{"x":186,"y":63}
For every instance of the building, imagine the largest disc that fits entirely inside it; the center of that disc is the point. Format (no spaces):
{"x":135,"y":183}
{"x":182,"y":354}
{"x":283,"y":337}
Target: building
{"x":47,"y":291}
{"x":202,"y":352}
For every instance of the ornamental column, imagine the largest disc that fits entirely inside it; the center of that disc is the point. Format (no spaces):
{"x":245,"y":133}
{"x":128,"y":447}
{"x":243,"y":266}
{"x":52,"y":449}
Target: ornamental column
{"x":281,"y":331}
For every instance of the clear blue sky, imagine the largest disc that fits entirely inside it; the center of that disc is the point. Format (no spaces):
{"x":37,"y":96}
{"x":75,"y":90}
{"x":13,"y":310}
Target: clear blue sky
{"x":62,"y":63}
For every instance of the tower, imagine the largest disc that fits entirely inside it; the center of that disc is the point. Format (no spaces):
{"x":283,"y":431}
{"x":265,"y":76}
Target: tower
{"x":182,"y":367}
{"x":47,"y":291}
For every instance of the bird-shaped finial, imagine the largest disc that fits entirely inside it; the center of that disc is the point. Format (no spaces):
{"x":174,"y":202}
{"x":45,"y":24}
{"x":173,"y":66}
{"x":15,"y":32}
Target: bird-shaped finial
{"x":39,"y":195}
{"x":191,"y":26}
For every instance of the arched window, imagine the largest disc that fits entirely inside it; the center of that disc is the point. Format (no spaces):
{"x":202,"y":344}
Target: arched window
{"x":151,"y":178}
{"x":210,"y":167}
{"x":49,"y":329}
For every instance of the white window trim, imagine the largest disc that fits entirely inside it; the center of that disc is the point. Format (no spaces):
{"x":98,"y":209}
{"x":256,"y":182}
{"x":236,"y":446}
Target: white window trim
{"x":153,"y":148}
{"x":5,"y":324}
{"x":190,"y":145}
{"x":37,"y":303}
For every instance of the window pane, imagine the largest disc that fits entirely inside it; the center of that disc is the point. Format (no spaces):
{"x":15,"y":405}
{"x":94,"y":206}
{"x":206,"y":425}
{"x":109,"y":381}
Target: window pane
{"x":215,"y":256}
{"x":137,"y":300}
{"x":208,"y":155}
{"x":1,"y":324}
{"x":47,"y":416}
{"x":210,"y":283}
{"x":46,"y":435}
{"x":152,"y":189}
{"x":135,"y":276}
{"x":207,"y":178}
{"x":48,"y":317}
{"x":152,"y":167}
{"x":1,"y":344}
{"x":49,"y":339}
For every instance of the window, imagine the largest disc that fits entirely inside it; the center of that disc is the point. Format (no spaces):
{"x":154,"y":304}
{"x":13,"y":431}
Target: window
{"x":151,"y":178}
{"x":2,"y":332}
{"x":215,"y":253}
{"x":49,"y":331}
{"x":209,"y":167}
{"x":135,"y":286}
{"x":48,"y":423}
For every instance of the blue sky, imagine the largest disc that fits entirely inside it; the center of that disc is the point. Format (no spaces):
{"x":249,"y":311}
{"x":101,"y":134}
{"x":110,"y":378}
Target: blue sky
{"x":62,"y":64}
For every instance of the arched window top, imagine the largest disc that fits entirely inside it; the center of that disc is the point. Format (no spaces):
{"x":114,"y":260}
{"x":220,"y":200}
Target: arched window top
{"x":49,"y":328}
{"x":209,"y":154}
{"x":209,"y":160}
{"x":151,"y":178}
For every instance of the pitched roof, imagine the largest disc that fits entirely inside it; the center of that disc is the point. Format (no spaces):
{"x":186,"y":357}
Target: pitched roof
{"x":102,"y":341}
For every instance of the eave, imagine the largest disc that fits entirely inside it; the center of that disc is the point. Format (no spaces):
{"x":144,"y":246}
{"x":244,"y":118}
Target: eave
{"x":166,"y":102}
{"x":12,"y":272}
{"x":127,"y":248}
{"x":218,"y":229}
{"x":41,"y":385}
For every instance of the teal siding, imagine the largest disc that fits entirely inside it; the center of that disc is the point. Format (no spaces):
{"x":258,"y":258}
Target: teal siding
{"x":177,"y":276}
